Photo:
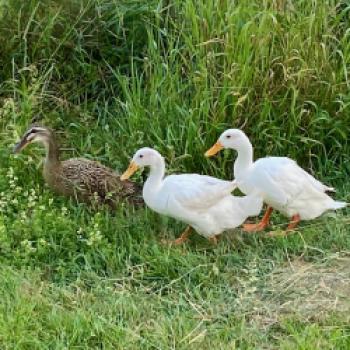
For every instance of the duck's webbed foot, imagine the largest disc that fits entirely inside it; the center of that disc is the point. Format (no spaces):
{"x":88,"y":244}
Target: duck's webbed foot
{"x":265,"y":221}
{"x":184,"y":236}
{"x":254,"y":227}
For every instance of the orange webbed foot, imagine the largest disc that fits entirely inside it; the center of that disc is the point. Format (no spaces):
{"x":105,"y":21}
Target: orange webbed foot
{"x":261,"y":225}
{"x":254,"y":227}
{"x":184,"y":236}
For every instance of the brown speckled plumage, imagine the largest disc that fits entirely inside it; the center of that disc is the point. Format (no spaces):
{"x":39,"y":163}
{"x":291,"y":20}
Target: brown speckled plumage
{"x":86,"y":180}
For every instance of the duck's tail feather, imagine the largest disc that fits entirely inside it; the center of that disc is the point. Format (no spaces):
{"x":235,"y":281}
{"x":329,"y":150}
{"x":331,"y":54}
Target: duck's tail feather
{"x":339,"y":205}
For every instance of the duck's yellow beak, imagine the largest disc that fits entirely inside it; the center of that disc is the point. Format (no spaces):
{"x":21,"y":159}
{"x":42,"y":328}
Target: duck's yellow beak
{"x":215,"y":149}
{"x":129,"y":171}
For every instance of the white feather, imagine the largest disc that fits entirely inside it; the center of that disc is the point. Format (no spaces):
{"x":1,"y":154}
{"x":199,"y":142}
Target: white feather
{"x":203,"y":202}
{"x":279,"y":180}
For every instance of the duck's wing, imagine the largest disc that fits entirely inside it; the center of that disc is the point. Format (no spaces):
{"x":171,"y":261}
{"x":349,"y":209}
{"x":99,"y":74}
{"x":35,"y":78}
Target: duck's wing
{"x":283,"y":179}
{"x":275,"y":178}
{"x":198,"y":191}
{"x":318,"y":185}
{"x":91,"y":178}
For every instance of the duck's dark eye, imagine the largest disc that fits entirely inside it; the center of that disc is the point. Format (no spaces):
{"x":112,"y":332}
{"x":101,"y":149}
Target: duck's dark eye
{"x":141,"y":155}
{"x":228,"y":136}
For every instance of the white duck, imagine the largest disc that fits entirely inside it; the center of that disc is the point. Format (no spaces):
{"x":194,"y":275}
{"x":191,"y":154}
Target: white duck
{"x":283,"y":185}
{"x":203,"y":202}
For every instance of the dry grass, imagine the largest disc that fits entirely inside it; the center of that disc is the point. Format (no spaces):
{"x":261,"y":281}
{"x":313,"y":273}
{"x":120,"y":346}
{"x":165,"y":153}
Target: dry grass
{"x":303,"y":290}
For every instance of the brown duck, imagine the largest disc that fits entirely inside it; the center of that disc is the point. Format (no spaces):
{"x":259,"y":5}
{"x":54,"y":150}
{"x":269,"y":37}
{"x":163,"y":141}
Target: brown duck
{"x":83,"y":179}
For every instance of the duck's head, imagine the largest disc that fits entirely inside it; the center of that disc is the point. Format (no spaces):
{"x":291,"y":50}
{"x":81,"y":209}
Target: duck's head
{"x":34,"y":134}
{"x":143,"y":157}
{"x":231,"y":138}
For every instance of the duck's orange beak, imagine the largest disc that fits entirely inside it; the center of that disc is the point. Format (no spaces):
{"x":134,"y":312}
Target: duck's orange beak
{"x":129,"y":171}
{"x":215,"y":149}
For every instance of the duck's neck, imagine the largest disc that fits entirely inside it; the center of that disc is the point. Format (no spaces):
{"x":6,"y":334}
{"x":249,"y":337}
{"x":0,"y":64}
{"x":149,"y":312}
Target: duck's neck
{"x":52,"y":153}
{"x":155,"y":178}
{"x":244,"y":159}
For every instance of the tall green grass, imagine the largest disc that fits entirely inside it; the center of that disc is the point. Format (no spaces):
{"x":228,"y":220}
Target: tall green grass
{"x":188,"y":69}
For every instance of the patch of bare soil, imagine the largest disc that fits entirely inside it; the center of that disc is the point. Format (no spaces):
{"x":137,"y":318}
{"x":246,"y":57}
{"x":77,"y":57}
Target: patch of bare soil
{"x":308,"y":291}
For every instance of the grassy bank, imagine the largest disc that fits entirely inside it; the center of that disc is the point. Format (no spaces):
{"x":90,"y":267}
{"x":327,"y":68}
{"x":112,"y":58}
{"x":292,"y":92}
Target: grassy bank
{"x":112,"y":76}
